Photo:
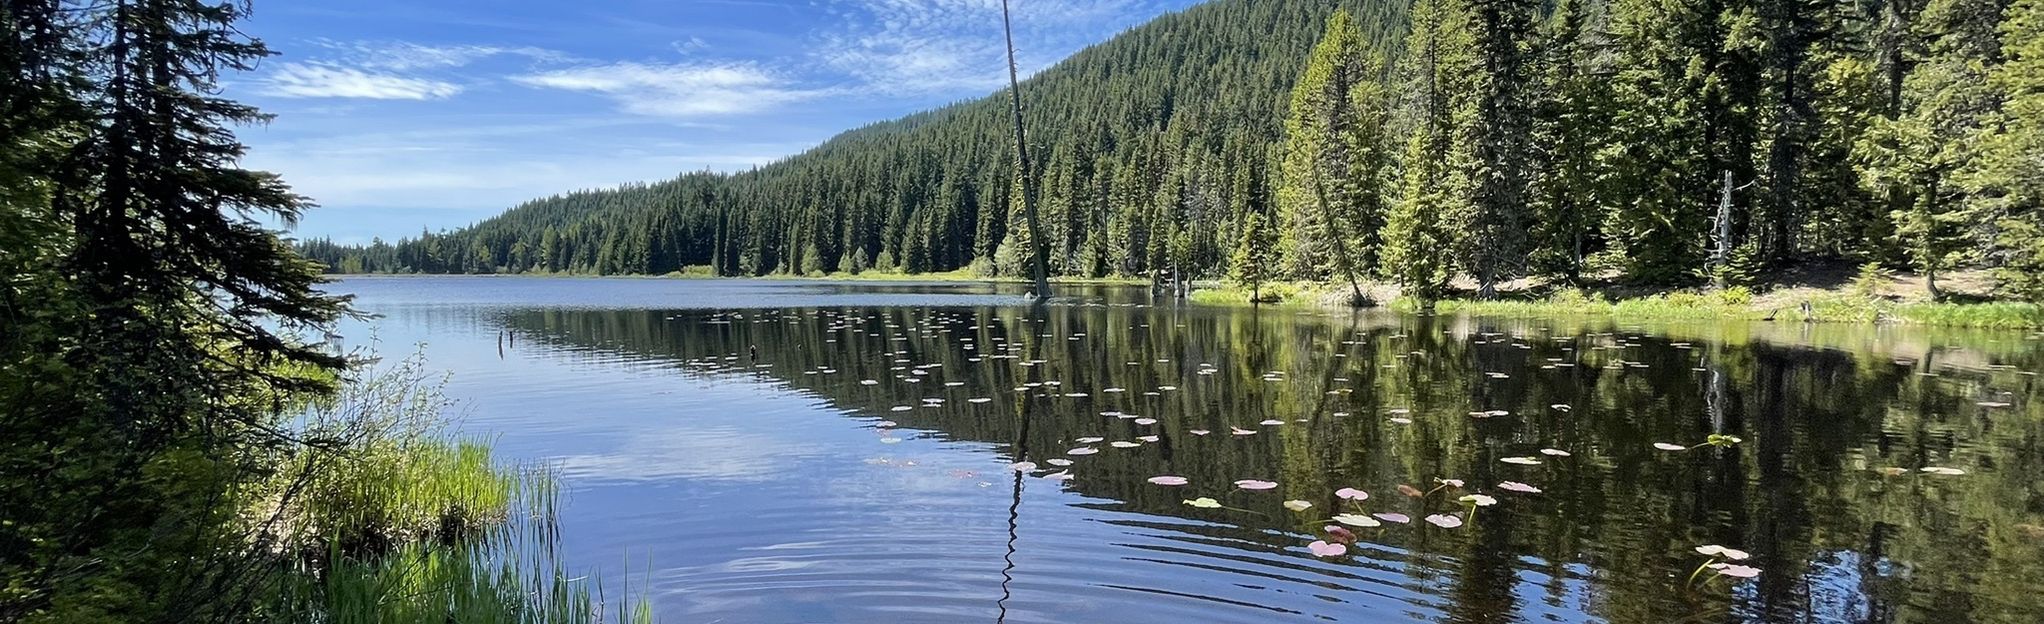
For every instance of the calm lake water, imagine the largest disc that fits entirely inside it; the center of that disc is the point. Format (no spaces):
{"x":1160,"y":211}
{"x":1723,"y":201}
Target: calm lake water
{"x":857,"y":467}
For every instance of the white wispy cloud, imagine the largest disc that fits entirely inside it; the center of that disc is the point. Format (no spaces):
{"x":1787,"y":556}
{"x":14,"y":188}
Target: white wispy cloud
{"x":678,"y":89}
{"x":387,"y":70}
{"x":324,"y":80}
{"x":955,"y":46}
{"x":401,"y":56}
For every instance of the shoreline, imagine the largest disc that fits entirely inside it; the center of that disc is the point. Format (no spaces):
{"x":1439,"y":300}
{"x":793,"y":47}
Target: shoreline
{"x":1825,"y":305}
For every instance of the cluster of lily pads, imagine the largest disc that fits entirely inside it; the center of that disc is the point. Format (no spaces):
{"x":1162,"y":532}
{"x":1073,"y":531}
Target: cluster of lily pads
{"x":1339,"y":526}
{"x":1338,"y":533}
{"x":1720,"y":564}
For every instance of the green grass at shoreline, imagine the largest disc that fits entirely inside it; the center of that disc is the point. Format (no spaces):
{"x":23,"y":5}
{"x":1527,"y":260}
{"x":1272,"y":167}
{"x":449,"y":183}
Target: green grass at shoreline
{"x":1733,"y":305}
{"x":1828,"y":308}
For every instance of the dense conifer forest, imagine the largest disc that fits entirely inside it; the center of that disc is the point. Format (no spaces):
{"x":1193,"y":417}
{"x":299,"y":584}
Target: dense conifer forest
{"x":1650,"y":142}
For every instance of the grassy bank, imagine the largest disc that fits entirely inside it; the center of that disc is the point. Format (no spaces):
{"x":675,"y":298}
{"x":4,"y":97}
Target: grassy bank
{"x":1738,"y":305}
{"x":1824,"y":305}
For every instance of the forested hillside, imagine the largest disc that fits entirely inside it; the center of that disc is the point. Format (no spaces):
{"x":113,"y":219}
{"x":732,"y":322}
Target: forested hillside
{"x":1656,"y":142}
{"x":1189,"y":101}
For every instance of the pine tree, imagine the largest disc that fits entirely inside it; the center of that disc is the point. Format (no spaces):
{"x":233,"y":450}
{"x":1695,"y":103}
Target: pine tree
{"x":1946,"y":99}
{"x":1419,"y":244}
{"x":2008,"y":179}
{"x":1572,"y":107}
{"x":1421,"y":234}
{"x":1494,"y":242}
{"x":1251,"y":261}
{"x":1332,"y":188}
{"x":1659,"y":158}
{"x":151,"y":315}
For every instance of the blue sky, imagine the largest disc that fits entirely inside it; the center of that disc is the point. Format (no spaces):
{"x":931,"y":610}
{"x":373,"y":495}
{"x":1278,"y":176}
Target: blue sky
{"x":398,"y":115}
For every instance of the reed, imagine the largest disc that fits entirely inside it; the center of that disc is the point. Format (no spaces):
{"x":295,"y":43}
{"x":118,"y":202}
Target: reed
{"x":391,"y":518}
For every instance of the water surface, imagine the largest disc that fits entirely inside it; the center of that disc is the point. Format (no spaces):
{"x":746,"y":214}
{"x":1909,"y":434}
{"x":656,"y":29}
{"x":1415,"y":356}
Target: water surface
{"x":773,"y":451}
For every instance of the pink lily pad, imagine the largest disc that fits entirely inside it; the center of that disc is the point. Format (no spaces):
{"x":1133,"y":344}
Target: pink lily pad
{"x":1445,"y":521}
{"x":1325,"y":549}
{"x":1253,"y":484}
{"x":1172,"y":480}
{"x":1352,"y":494}
{"x":1738,"y":571}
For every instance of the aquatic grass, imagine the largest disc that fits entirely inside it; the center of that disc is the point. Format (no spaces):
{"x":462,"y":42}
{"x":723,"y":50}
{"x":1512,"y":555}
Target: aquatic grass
{"x":508,"y":572}
{"x":409,"y":491}
{"x":388,"y":517}
{"x":384,"y":471}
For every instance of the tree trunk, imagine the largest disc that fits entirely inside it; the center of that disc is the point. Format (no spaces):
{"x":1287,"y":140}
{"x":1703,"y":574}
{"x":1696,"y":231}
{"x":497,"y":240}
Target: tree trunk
{"x":1036,"y":243}
{"x":1348,"y":266}
{"x":1721,"y":257}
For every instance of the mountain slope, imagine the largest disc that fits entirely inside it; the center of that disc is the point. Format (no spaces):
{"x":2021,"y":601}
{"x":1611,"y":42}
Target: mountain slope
{"x":1148,"y":145}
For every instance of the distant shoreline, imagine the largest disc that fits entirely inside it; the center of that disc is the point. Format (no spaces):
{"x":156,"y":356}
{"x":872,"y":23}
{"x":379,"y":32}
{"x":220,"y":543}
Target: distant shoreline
{"x":959,"y":277}
{"x":1826,"y":305}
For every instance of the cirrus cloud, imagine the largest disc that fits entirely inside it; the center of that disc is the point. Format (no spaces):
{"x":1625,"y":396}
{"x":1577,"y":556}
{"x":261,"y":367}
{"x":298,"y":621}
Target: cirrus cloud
{"x":677,"y":89}
{"x":323,"y":80}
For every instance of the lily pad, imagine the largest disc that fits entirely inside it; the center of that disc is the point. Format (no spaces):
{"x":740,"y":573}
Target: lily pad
{"x":1358,"y":520}
{"x":1325,"y":549}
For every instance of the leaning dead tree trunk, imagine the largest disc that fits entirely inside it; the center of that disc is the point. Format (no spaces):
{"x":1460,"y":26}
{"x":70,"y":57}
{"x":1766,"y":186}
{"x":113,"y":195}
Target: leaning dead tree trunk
{"x":1348,"y":267}
{"x":1041,"y":264}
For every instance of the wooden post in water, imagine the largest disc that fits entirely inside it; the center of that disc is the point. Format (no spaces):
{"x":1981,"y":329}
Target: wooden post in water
{"x":1042,"y":258}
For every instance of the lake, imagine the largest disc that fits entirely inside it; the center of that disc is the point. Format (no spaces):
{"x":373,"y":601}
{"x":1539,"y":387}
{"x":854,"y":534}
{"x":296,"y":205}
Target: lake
{"x":786,"y":451}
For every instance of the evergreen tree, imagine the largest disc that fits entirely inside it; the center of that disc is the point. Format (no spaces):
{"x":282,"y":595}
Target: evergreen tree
{"x":1573,"y":108}
{"x":151,"y":317}
{"x":1945,"y":100}
{"x":1501,"y":156}
{"x":1422,"y":232}
{"x":1332,"y":191}
{"x":2008,"y":180}
{"x":1659,"y":157}
{"x":1251,"y":262}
